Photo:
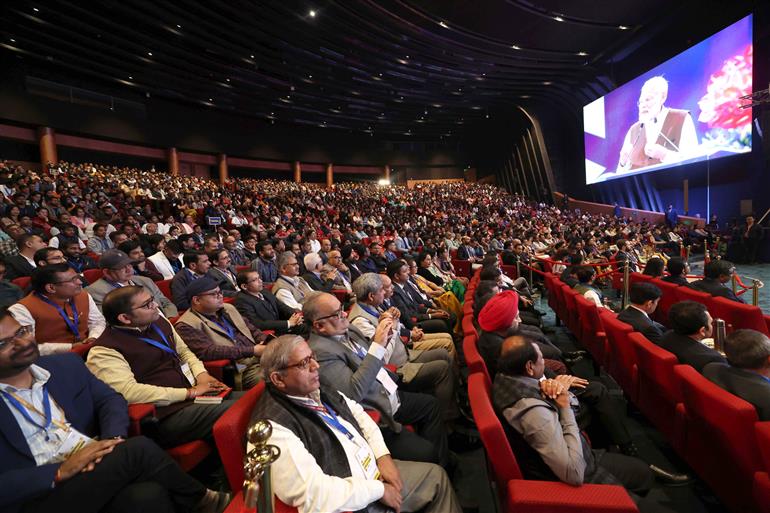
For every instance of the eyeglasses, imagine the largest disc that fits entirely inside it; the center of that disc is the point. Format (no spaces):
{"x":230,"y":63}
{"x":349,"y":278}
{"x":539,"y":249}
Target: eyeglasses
{"x":23,"y":332}
{"x":74,"y":279}
{"x":303,"y":364}
{"x":147,"y":305}
{"x":338,"y":315}
{"x":217,"y":293}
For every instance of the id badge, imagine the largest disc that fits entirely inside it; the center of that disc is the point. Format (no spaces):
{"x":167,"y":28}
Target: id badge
{"x":188,"y":374}
{"x":368,"y":464}
{"x":384,"y":378}
{"x":74,"y":441}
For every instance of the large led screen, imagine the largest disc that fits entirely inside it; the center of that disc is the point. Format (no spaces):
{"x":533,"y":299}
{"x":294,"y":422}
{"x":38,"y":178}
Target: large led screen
{"x":685,"y":110}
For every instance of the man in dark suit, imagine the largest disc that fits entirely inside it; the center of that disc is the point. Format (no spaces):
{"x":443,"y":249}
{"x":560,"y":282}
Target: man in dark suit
{"x":750,"y":236}
{"x":43,"y":461}
{"x":223,"y":272}
{"x":644,"y":299}
{"x":314,"y":277}
{"x":677,"y":271}
{"x":262,"y":308}
{"x":22,"y":264}
{"x":351,"y":258}
{"x":196,"y":265}
{"x":715,"y":274}
{"x":354,"y":365}
{"x":748,"y":373}
{"x":691,"y":323}
{"x":414,"y":312}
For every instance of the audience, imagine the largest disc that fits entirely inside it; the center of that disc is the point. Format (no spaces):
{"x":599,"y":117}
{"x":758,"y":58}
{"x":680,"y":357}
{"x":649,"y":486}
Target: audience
{"x":691,"y":324}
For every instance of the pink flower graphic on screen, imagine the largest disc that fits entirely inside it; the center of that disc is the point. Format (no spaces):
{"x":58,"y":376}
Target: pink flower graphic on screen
{"x":720,"y":106}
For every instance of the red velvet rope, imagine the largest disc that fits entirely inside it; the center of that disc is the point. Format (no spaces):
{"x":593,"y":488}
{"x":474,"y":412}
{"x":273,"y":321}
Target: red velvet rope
{"x":597,"y":264}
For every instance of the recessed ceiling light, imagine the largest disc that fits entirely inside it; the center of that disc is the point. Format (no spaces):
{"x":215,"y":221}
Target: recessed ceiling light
{"x":312,"y":13}
{"x":558,"y":18}
{"x":149,"y":54}
{"x":582,"y":54}
{"x":252,"y":56}
{"x":211,"y":99}
{"x":516,"y":47}
{"x":622,"y":27}
{"x":547,"y":82}
{"x":36,"y":9}
{"x":13,"y":40}
{"x":443,"y":24}
{"x":227,"y":80}
{"x":178,"y":25}
{"x":130,"y":77}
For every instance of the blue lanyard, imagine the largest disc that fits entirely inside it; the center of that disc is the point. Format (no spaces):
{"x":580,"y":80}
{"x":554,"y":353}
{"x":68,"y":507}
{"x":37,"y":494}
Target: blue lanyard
{"x":72,"y":324}
{"x":164,"y":346}
{"x":46,"y":408}
{"x":290,"y":283}
{"x":371,"y":311}
{"x":78,"y":267}
{"x":226,"y":326}
{"x":113,"y":284}
{"x":331,"y":418}
{"x":358,"y":349}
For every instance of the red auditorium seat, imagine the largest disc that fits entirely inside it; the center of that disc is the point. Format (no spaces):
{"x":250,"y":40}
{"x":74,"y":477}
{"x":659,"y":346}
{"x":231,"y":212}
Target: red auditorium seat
{"x":22,"y":282}
{"x":468,"y":326}
{"x":659,"y":390}
{"x":570,"y":310}
{"x":524,"y":496}
{"x":720,"y":441}
{"x":92,"y":275}
{"x":165,"y":287}
{"x":592,"y":334}
{"x":738,"y":315}
{"x":510,"y":271}
{"x":474,"y":360}
{"x":688,"y":294}
{"x":637,"y":277}
{"x":462,"y":268}
{"x":622,"y":356}
{"x":668,"y":298}
{"x":762,"y":478}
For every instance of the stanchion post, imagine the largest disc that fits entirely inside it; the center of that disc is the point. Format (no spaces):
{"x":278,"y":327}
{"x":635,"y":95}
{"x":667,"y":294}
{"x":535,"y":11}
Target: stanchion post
{"x":681,"y":249}
{"x":706,"y":257}
{"x":531,"y":277}
{"x":755,"y":292}
{"x":626,"y":280}
{"x":256,"y":492}
{"x":687,"y":257}
{"x":734,"y":281}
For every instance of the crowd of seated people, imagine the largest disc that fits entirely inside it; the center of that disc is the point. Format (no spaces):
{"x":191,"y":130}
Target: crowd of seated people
{"x":154,"y":275}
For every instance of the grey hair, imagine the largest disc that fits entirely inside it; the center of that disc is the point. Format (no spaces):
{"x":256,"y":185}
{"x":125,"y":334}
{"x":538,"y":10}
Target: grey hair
{"x":657,"y":84}
{"x":747,"y":349}
{"x":276,"y":356}
{"x":311,"y":261}
{"x":284,"y":258}
{"x":310,"y":306}
{"x":367,"y":283}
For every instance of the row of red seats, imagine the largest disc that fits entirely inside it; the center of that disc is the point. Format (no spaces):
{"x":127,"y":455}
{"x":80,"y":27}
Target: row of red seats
{"x":710,"y":428}
{"x":515,"y":493}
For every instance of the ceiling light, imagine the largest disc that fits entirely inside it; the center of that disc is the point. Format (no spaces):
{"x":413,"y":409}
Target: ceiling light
{"x":211,"y":100}
{"x":443,"y":24}
{"x":13,"y":40}
{"x":516,"y":47}
{"x":149,"y":54}
{"x":547,"y":82}
{"x":312,"y":13}
{"x":130,"y":77}
{"x":252,"y":56}
{"x":558,"y":18}
{"x":622,"y":27}
{"x":582,"y":54}
{"x":36,"y":9}
{"x":178,"y":26}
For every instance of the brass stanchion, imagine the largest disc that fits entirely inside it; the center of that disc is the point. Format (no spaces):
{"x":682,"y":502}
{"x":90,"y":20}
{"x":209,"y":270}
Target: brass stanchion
{"x":531,"y":277}
{"x":706,"y":257}
{"x":755,"y":284}
{"x":256,"y":463}
{"x":734,"y":281}
{"x":687,"y":253}
{"x":626,"y":282}
{"x":681,"y":249}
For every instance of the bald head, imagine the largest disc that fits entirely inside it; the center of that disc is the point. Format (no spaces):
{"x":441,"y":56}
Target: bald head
{"x":520,"y":356}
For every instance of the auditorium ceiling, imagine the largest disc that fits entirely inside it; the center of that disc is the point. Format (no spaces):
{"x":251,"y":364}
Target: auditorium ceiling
{"x":415,"y":68}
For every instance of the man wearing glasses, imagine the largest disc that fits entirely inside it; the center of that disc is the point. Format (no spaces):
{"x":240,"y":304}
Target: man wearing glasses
{"x":118,"y":271}
{"x":141,"y":356}
{"x":354,"y":365}
{"x":290,"y":289}
{"x":345,"y":464}
{"x":59,"y":310}
{"x":63,"y":446}
{"x":215,"y":330}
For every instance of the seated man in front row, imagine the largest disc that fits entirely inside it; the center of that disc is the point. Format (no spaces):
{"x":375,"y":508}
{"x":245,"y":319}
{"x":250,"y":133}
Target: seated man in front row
{"x":214,"y":330}
{"x":333,"y":457}
{"x":142,"y":357}
{"x":40,"y":468}
{"x":542,"y":429}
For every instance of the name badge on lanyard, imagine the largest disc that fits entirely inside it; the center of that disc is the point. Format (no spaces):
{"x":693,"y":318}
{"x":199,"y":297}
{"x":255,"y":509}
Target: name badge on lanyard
{"x":364,"y":455}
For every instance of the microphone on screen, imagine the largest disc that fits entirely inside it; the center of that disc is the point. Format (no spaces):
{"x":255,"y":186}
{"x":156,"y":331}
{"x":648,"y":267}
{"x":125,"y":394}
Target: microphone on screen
{"x":633,"y":145}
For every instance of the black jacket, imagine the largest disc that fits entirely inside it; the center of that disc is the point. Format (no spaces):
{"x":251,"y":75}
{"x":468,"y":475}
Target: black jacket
{"x":747,"y":385}
{"x":689,"y":351}
{"x":265,"y":314}
{"x":714,"y":287}
{"x":16,"y":267}
{"x":317,"y":283}
{"x":641,"y":323}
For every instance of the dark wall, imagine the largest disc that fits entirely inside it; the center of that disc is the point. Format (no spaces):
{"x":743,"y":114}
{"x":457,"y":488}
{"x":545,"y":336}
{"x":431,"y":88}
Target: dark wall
{"x":164,"y":124}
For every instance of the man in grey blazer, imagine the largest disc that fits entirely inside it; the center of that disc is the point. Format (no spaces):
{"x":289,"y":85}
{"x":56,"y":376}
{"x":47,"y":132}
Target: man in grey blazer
{"x":353,"y":364}
{"x":118,"y":271}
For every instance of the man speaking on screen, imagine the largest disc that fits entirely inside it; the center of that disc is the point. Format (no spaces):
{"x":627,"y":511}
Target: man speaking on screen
{"x":662,"y":135}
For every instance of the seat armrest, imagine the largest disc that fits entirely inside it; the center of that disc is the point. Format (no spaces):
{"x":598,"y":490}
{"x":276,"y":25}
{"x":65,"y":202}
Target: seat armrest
{"x":374,"y":414}
{"x":223,"y":370}
{"x":140,"y":416}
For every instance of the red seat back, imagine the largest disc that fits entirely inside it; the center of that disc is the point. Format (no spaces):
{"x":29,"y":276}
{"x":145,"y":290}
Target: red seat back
{"x":688,"y":294}
{"x":592,"y":334}
{"x":165,"y":288}
{"x":462,"y":268}
{"x":570,"y":309}
{"x":474,"y":360}
{"x":22,"y":281}
{"x":668,"y":298}
{"x":92,"y":275}
{"x":738,"y":315}
{"x":492,"y":434}
{"x":720,"y":439}
{"x":230,"y":435}
{"x":510,"y":271}
{"x":622,"y":357}
{"x":659,"y":390}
